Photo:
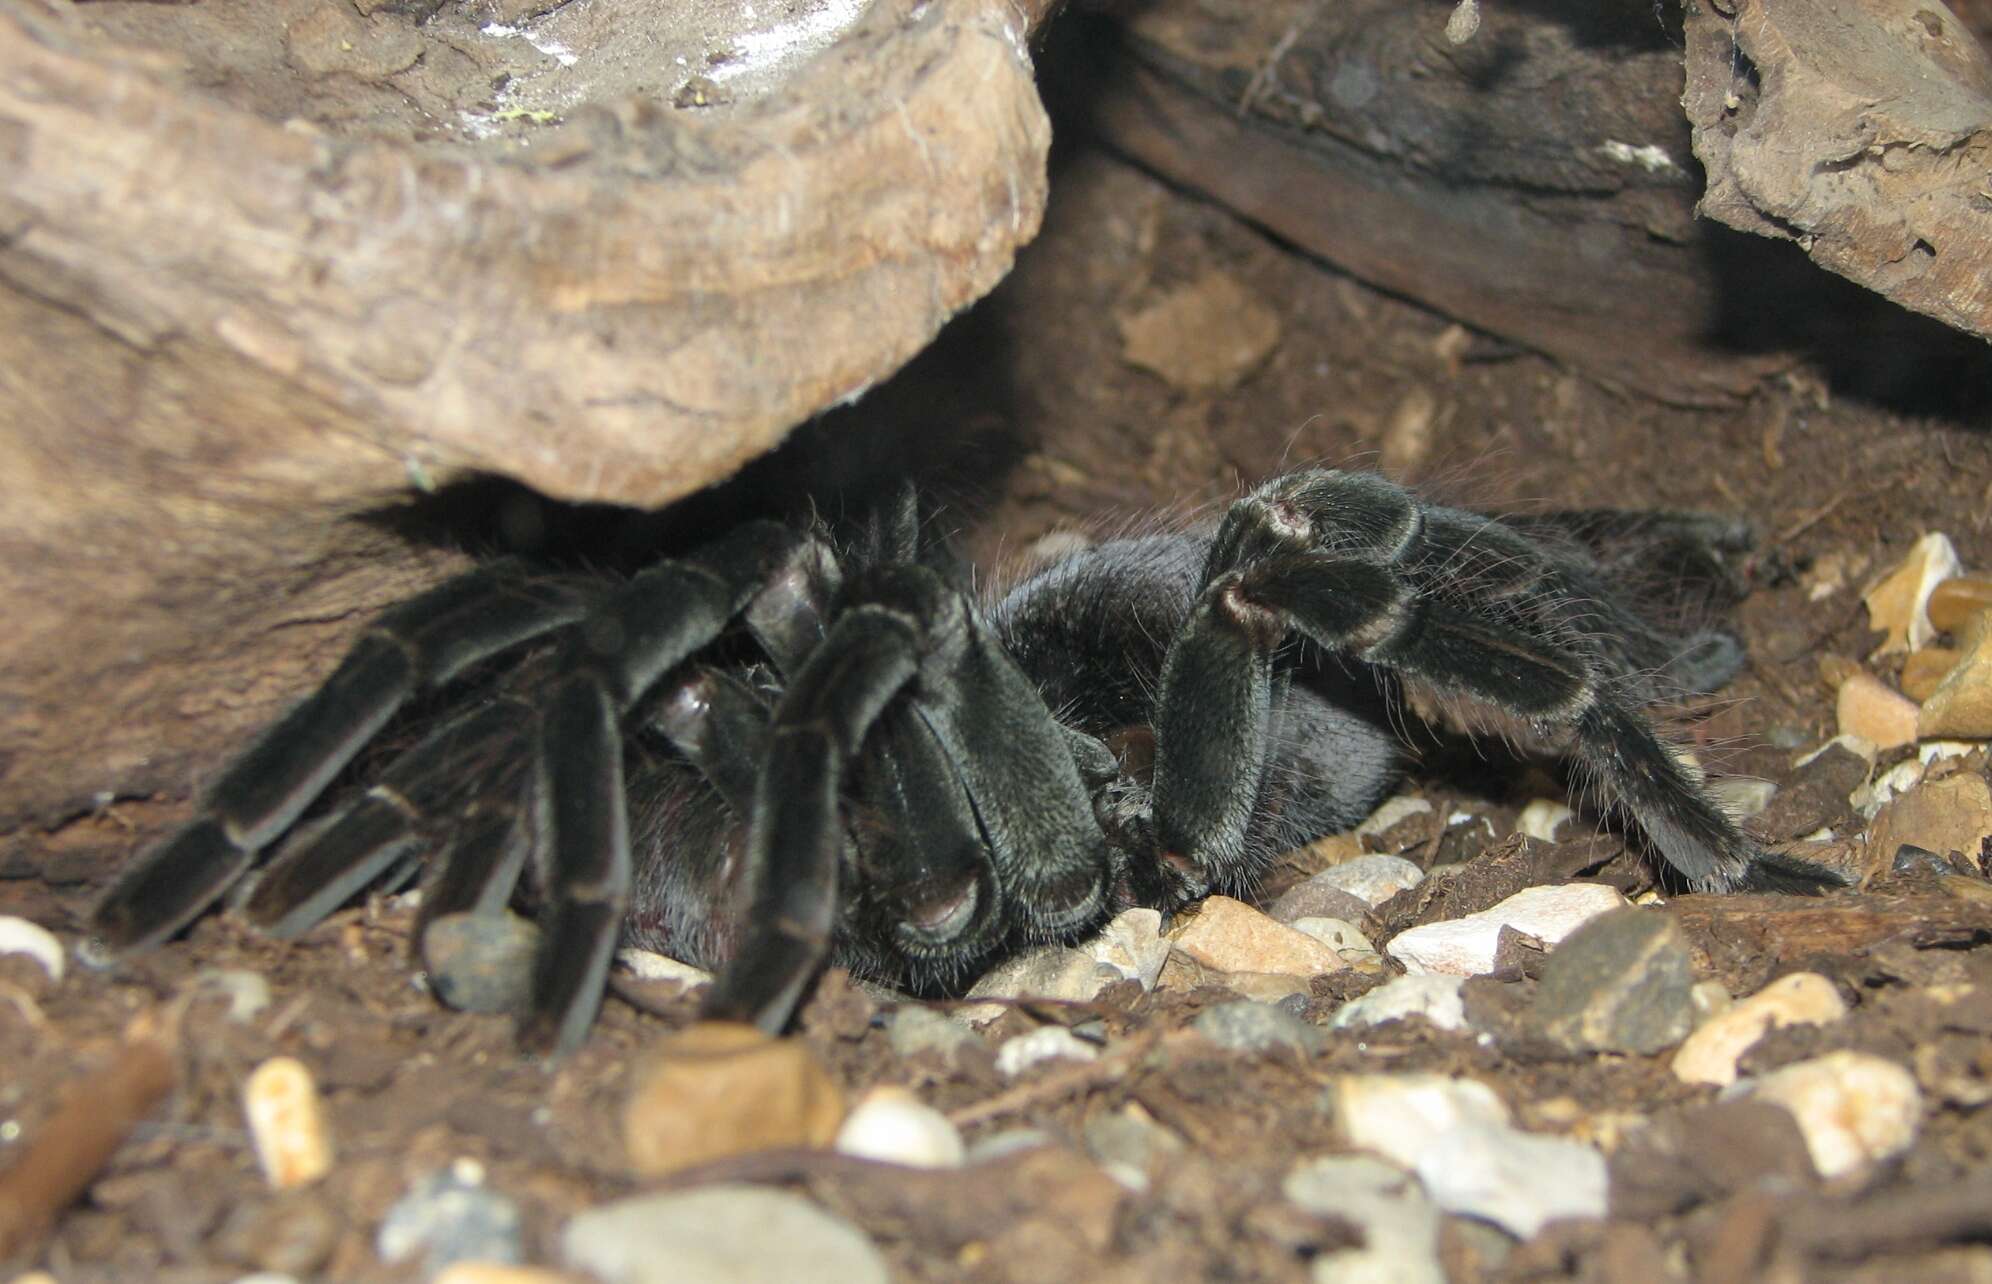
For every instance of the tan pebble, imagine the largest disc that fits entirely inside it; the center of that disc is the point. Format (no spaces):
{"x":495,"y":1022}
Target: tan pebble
{"x":1898,"y":605}
{"x":719,"y":1088}
{"x":287,"y":1123}
{"x":1925,"y":670}
{"x":1231,"y":936}
{"x":1542,"y":818}
{"x":1961,"y":705}
{"x":1407,"y":435}
{"x":498,"y":1273}
{"x":1953,"y":602}
{"x":1203,"y":337}
{"x":1853,"y":1108}
{"x":1836,"y":669}
{"x":1264,"y":987}
{"x":1710,"y":1054}
{"x":1870,"y":710}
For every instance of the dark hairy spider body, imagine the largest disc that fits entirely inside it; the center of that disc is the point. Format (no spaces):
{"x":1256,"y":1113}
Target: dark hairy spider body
{"x":776,"y":750}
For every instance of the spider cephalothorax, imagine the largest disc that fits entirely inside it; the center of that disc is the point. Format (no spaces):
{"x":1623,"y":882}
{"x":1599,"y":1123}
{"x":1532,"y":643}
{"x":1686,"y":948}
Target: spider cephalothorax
{"x":775,"y":749}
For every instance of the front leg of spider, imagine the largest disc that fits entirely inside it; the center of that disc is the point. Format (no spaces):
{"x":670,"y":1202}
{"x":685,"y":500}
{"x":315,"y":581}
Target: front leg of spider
{"x":1454,"y":600}
{"x":908,"y":675}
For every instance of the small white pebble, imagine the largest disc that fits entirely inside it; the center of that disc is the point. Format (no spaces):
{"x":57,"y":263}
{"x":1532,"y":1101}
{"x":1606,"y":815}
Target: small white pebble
{"x":646,"y":965}
{"x":1542,"y":818}
{"x":1854,"y":1109}
{"x":287,"y":1123}
{"x":893,"y":1125}
{"x":1710,"y":1054}
{"x":1049,"y":1043}
{"x":1465,"y":946}
{"x":1392,"y":811}
{"x":1463,"y":22}
{"x":1401,"y":1116}
{"x":1434,"y":996}
{"x":19,"y":936}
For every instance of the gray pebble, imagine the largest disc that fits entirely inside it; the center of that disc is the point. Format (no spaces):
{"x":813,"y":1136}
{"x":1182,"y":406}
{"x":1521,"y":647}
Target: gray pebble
{"x":1246,"y":1026}
{"x":718,"y":1235}
{"x":1129,"y":1146}
{"x":1371,"y":879}
{"x":288,"y":1234}
{"x":451,"y":1216}
{"x":1400,"y":1227}
{"x":481,"y":962}
{"x":1622,"y":982}
{"x":916,"y":1028}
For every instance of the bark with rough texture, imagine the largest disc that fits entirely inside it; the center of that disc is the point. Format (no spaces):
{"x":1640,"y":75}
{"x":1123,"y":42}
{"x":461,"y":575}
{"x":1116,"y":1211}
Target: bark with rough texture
{"x":1861,"y":129}
{"x":266,"y":267}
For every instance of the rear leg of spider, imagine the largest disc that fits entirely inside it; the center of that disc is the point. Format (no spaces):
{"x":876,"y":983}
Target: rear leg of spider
{"x":1455,"y":600}
{"x":421,"y":644}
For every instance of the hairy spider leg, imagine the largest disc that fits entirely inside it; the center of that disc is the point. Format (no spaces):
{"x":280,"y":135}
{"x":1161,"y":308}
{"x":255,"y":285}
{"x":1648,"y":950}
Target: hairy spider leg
{"x":611,"y":660}
{"x":972,"y":730}
{"x":420,"y":644}
{"x":1450,"y":598}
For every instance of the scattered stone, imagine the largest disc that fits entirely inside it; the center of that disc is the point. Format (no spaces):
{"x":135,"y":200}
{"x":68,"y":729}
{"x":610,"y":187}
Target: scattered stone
{"x":1046,"y":1043}
{"x":247,"y":992}
{"x":1316,"y":898}
{"x":481,"y":962}
{"x":1711,"y":999}
{"x":1399,"y":1225}
{"x":498,"y":1273}
{"x":287,"y":1123}
{"x":292,"y":1234}
{"x":1620,"y":983}
{"x":1517,"y":1180}
{"x":915,"y":1028}
{"x":1710,"y":1054}
{"x":1960,"y":704}
{"x":1953,"y":814}
{"x":1010,"y":1141}
{"x":1233,"y":937}
{"x":452,"y":1216}
{"x":1542,"y":818}
{"x":19,"y":936}
{"x":1466,"y":946}
{"x":1339,"y":935}
{"x":1954,"y":602}
{"x":1129,"y":1145}
{"x":1393,"y":812}
{"x":718,"y":1235}
{"x":1407,"y":434}
{"x":1818,"y":793}
{"x":1899,"y":605}
{"x":1372,"y":879}
{"x":1869,"y":709}
{"x":1925,"y":670}
{"x":648,"y":965}
{"x":1742,"y":796}
{"x":1434,"y":996}
{"x":719,"y":1088}
{"x":1133,"y":945}
{"x":891,"y":1124}
{"x":1870,"y":798}
{"x":1257,"y":1027}
{"x":1261,"y":987}
{"x":1703,"y":1153}
{"x":1051,"y":972}
{"x":1203,"y":337}
{"x":1399,"y":1116}
{"x":1855,"y":1109}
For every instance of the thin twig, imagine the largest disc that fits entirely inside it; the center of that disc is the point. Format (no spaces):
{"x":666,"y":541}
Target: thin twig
{"x":81,"y":1137}
{"x":1068,"y":1082}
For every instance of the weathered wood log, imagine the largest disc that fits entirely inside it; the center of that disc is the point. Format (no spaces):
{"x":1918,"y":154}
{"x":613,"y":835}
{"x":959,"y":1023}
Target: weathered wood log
{"x":266,"y":267}
{"x":1535,"y":181}
{"x":1861,"y":130}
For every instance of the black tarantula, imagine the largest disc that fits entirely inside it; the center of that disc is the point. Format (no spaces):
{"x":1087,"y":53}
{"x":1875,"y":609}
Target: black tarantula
{"x":772,"y":751}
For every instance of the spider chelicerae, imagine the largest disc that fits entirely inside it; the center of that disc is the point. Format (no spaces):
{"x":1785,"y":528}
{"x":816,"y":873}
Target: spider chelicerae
{"x":781,"y":749}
